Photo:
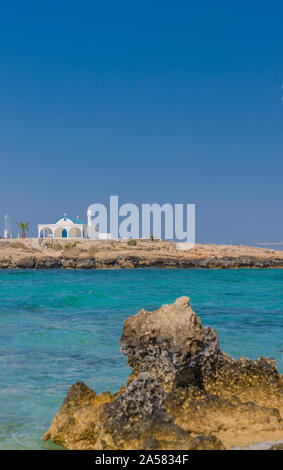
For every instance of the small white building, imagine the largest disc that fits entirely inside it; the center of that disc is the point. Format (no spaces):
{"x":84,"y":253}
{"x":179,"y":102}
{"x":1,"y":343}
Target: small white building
{"x":67,"y":227}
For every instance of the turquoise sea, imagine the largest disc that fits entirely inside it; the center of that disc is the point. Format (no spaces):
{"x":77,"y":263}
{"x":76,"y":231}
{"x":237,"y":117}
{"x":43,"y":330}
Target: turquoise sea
{"x":59,"y":327}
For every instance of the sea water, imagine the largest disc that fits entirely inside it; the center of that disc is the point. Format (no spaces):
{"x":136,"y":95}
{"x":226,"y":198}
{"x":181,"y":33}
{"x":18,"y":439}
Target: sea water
{"x":58,"y":327}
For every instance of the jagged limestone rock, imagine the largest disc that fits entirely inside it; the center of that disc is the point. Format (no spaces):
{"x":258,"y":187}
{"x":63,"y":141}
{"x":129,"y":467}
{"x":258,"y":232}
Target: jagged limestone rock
{"x":184,"y":392}
{"x":134,"y":419}
{"x":163,"y":342}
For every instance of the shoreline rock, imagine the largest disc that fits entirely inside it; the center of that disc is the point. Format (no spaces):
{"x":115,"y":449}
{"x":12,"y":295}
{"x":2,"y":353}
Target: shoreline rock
{"x":184,"y":392}
{"x":114,"y":254}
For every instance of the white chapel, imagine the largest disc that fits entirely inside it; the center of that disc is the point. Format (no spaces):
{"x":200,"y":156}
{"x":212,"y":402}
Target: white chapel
{"x":68,"y":227}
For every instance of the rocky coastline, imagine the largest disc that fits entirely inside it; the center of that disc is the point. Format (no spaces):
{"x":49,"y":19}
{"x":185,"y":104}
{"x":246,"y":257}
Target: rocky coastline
{"x":114,"y":254}
{"x":184,"y":392}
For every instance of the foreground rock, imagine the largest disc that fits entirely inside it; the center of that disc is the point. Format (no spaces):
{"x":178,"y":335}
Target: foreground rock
{"x":183,"y":393}
{"x":134,"y":419}
{"x":164,"y":342}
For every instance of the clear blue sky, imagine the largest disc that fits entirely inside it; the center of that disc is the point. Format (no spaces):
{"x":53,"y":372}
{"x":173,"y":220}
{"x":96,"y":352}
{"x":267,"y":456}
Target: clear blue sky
{"x":154,"y":101}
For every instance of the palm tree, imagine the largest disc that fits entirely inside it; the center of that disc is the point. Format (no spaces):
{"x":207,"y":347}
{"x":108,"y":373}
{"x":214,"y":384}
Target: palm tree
{"x":24,"y":226}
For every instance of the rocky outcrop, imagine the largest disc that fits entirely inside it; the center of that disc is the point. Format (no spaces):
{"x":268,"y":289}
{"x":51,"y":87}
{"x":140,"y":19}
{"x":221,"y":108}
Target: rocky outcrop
{"x":135,"y":419}
{"x":164,"y":342}
{"x":184,"y":392}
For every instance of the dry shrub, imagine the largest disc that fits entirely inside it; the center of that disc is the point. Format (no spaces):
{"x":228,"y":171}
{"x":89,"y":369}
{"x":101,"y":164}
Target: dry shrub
{"x":19,"y":245}
{"x":132,"y":242}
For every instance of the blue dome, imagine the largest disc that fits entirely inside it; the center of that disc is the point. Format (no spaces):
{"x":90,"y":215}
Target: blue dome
{"x":75,"y":221}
